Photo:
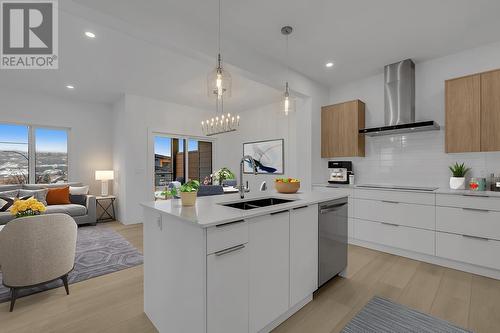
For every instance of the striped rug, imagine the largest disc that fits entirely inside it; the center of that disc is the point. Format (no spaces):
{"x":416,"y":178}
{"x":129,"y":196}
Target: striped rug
{"x":383,"y":316}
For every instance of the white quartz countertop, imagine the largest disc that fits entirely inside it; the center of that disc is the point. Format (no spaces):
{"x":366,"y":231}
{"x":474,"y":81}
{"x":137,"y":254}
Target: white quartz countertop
{"x":440,"y":190}
{"x":209,"y":211}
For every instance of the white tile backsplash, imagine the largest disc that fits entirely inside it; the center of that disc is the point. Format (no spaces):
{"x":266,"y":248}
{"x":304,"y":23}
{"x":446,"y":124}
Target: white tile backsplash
{"x":416,"y":159}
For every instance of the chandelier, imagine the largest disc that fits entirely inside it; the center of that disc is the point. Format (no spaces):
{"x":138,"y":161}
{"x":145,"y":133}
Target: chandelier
{"x":221,"y":123}
{"x":219,"y":87}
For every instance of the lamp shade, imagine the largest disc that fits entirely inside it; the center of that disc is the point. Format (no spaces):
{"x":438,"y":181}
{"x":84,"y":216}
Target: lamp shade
{"x":104,"y":175}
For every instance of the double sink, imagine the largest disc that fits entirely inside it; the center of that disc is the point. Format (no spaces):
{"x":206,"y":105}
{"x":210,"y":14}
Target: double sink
{"x":257,"y":203}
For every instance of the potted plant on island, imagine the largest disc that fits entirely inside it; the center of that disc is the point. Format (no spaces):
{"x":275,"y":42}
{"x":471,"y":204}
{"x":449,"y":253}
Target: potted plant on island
{"x":28,"y":207}
{"x":458,"y":171}
{"x":188,"y":192}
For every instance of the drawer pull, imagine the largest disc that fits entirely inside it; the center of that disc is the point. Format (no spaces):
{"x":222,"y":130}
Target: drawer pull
{"x":280,"y":212}
{"x":477,"y":210}
{"x":229,"y":250}
{"x":389,"y":201}
{"x":476,"y":237}
{"x":476,"y":195}
{"x":229,"y":223}
{"x":296,"y":208}
{"x":391,"y":224}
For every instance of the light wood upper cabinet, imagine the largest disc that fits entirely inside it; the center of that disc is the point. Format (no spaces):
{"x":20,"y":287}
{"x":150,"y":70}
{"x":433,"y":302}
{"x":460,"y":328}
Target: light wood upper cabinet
{"x":490,"y":111}
{"x":340,"y":125}
{"x":473,"y":113}
{"x":463,"y":114}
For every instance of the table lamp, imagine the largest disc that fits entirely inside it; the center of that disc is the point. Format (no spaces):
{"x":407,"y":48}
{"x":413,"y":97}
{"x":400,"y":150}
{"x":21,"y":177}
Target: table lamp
{"x":104,"y":176}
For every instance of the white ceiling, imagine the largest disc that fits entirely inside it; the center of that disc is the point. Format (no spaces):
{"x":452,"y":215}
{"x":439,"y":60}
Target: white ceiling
{"x":114,"y":63}
{"x":164,"y":48}
{"x":360,"y":36}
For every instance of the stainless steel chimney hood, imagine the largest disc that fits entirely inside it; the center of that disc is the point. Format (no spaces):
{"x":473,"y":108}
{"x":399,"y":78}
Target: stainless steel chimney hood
{"x":400,"y":102}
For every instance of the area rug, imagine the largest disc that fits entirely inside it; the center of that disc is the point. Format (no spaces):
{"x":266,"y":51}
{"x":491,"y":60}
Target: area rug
{"x":383,"y":316}
{"x":99,"y":251}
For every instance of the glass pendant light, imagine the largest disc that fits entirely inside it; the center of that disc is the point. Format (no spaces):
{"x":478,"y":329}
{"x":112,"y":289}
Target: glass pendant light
{"x":287,"y":101}
{"x":219,"y":80}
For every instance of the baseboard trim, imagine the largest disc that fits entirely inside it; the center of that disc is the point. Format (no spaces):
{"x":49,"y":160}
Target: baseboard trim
{"x":286,"y":315}
{"x":461,"y":266}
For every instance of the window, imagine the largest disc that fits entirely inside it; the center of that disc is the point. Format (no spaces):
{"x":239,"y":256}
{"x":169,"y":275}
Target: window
{"x":200,"y":159}
{"x":170,"y":160}
{"x":30,"y":154}
{"x":14,"y":157}
{"x":51,"y":156}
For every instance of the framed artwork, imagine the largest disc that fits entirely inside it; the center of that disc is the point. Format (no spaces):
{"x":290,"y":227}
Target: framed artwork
{"x":269,"y":156}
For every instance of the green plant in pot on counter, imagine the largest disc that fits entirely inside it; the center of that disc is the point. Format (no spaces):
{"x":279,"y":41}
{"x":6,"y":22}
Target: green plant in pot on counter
{"x":458,"y":171}
{"x":188,"y":192}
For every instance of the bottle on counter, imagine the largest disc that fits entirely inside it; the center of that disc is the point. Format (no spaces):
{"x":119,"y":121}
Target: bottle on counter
{"x":351,"y":179}
{"x":492,"y":182}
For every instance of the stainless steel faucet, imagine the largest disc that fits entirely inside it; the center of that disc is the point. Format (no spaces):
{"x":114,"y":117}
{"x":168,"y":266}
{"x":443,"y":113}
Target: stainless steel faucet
{"x":241,"y":187}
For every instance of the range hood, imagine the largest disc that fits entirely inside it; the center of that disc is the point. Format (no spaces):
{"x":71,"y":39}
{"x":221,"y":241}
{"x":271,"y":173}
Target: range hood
{"x":399,"y":111}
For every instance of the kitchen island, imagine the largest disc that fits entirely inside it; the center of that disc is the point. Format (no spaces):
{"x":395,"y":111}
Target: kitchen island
{"x":211,"y":268}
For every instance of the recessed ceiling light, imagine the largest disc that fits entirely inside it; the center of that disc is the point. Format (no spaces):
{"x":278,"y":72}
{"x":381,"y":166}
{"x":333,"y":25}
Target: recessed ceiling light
{"x":69,"y":86}
{"x":89,"y":34}
{"x":329,"y":64}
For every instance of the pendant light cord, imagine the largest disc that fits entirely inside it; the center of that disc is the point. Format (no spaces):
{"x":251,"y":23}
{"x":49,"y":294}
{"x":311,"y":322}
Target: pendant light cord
{"x":220,"y":14}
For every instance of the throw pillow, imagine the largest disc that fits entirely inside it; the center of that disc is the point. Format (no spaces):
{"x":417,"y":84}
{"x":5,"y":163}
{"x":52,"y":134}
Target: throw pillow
{"x":40,"y":195}
{"x":7,"y":199}
{"x":58,"y":196}
{"x":79,"y":190}
{"x":78,"y":199}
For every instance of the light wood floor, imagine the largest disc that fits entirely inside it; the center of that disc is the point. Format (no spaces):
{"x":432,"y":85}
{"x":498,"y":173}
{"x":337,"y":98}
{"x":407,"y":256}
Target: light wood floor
{"x":114,"y":302}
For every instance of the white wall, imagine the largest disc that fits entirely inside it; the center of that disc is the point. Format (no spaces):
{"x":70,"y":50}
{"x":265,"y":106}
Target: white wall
{"x":90,"y":139}
{"x":266,"y":123}
{"x":417,"y":158}
{"x":135,"y":118}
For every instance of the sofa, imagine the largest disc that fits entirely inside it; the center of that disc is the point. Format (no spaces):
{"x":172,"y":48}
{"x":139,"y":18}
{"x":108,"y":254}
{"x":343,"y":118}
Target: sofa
{"x":82,"y":213}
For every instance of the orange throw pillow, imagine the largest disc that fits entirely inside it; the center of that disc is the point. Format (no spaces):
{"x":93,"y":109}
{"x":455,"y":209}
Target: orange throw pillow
{"x":58,"y":196}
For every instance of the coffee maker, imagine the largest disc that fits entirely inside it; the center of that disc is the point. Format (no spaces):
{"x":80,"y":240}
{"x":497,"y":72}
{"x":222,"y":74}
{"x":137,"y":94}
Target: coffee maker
{"x":339,"y":172}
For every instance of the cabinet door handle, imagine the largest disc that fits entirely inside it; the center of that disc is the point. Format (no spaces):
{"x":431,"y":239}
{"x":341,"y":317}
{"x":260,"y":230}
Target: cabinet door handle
{"x":229,"y":250}
{"x":476,"y":195}
{"x":280,"y":212}
{"x":391,"y":224}
{"x":477,"y":210}
{"x":297,"y":208}
{"x":229,"y":223}
{"x":391,"y":202}
{"x":476,"y":237}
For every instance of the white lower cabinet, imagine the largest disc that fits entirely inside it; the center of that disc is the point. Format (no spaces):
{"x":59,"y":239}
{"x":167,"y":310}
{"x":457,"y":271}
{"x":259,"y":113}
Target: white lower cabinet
{"x":401,"y":213}
{"x":269,"y":255}
{"x":303,"y":253}
{"x":397,"y":236}
{"x":227,"y":290}
{"x":473,"y":250}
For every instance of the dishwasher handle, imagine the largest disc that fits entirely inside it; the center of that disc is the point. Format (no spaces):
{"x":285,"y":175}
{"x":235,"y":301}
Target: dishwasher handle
{"x":331,"y":208}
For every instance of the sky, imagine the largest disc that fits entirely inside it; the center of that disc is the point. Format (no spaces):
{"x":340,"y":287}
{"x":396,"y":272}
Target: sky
{"x":163,"y":145}
{"x":47,"y":140}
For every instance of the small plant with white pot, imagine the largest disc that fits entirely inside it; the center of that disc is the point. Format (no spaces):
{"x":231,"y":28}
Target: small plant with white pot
{"x":458,"y":171}
{"x":188,"y":192}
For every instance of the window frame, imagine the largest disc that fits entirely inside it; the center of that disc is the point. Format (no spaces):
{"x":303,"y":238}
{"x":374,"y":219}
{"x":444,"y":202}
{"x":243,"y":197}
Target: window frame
{"x":151,"y":152}
{"x":32,"y":146}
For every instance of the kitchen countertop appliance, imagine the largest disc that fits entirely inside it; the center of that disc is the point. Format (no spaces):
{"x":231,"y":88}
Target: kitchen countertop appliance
{"x":332,"y":239}
{"x":339,"y":172}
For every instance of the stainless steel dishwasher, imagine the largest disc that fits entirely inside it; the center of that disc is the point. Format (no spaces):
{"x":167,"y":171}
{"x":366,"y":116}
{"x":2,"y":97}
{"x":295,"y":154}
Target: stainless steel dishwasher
{"x":332,"y":237}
